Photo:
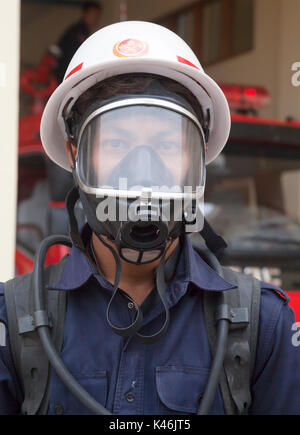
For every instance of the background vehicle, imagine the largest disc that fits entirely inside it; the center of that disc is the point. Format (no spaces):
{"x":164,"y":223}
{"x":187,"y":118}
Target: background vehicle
{"x":253,"y":200}
{"x":252,"y":195}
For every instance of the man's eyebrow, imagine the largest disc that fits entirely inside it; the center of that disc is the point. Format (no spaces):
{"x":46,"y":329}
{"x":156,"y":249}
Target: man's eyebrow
{"x":119,"y":130}
{"x":164,"y":133}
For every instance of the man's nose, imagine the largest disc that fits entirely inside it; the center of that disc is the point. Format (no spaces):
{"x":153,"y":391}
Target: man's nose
{"x":142,"y":165}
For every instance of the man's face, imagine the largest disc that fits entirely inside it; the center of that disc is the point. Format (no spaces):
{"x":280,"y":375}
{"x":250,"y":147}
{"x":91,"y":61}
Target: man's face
{"x":124,"y":131}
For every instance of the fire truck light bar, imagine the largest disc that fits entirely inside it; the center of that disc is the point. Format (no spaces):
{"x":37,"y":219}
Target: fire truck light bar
{"x":246,"y":97}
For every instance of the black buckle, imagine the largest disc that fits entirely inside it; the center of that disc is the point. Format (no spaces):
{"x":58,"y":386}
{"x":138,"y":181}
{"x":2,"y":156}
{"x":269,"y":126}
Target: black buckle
{"x":238,"y":317}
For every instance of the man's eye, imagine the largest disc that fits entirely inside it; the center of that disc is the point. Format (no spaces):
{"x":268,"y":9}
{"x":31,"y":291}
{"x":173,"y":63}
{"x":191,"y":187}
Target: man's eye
{"x":167,"y":146}
{"x":115,"y":144}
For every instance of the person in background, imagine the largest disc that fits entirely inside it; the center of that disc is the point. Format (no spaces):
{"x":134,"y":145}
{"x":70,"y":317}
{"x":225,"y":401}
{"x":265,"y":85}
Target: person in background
{"x":75,"y":35}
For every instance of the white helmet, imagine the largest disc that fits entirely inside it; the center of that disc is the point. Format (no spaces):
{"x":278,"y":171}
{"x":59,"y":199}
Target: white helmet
{"x":132,"y":47}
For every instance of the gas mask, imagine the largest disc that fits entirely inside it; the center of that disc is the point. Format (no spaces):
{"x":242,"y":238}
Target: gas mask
{"x":140,"y":169}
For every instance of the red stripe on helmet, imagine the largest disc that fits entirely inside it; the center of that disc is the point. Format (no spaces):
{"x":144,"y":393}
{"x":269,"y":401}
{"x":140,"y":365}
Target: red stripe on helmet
{"x":74,"y":70}
{"x":185,"y":61}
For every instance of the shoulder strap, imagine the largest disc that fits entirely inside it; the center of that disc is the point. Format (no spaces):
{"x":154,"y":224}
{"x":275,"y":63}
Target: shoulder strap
{"x":30,"y":361}
{"x":243,"y":301}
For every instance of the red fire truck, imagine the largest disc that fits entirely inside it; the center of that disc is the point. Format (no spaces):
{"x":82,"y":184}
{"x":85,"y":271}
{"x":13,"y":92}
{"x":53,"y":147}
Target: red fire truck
{"x":253,"y":193}
{"x":252,"y":196}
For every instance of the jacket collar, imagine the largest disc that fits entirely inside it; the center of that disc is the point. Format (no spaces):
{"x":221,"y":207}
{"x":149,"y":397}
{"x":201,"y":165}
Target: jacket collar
{"x":191,"y":268}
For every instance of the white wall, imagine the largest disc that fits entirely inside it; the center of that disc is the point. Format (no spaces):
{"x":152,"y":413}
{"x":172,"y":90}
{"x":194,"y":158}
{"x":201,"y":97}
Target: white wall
{"x":9,"y":91}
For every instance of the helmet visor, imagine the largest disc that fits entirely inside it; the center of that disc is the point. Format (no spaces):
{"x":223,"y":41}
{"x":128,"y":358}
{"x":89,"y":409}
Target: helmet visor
{"x":141,"y":147}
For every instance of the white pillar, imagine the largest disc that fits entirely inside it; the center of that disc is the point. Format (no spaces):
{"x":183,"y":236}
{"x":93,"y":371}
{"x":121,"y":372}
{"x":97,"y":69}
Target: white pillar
{"x":9,"y":98}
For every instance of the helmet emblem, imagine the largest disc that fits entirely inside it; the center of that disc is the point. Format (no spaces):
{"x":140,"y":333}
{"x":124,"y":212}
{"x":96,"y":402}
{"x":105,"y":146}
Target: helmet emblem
{"x":130,"y":48}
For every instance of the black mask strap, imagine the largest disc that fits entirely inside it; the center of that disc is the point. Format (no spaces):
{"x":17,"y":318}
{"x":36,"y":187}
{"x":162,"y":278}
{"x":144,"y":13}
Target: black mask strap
{"x":68,"y":128}
{"x":71,"y":200}
{"x":213,"y":241}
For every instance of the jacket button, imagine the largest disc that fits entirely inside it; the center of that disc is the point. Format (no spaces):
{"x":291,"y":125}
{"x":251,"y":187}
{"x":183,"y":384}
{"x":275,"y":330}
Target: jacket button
{"x":58,"y":409}
{"x":129,"y":397}
{"x":130,"y":305}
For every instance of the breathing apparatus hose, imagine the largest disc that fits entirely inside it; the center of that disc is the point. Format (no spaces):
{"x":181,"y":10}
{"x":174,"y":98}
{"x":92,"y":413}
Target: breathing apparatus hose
{"x":221,"y":343}
{"x":43,"y":328}
{"x":211,"y":387}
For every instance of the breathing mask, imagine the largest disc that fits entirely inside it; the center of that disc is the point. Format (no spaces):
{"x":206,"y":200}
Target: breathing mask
{"x":140,"y":169}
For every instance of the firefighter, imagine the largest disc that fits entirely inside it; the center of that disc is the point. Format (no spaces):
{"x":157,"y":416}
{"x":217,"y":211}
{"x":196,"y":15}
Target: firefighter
{"x":134,"y":306}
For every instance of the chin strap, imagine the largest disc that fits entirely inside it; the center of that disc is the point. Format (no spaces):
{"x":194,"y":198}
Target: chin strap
{"x":163,"y":274}
{"x":160,"y":279}
{"x":136,"y":324}
{"x":161,"y":290}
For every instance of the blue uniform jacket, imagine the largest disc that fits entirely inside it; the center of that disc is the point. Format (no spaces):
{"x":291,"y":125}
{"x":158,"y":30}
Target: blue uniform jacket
{"x":167,"y":377}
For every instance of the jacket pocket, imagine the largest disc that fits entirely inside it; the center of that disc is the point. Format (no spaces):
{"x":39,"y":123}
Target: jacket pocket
{"x":180,"y":388}
{"x":62,"y":401}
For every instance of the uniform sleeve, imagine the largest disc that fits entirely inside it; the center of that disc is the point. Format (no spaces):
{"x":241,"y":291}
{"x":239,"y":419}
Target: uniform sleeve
{"x":276,"y":380}
{"x":9,"y":388}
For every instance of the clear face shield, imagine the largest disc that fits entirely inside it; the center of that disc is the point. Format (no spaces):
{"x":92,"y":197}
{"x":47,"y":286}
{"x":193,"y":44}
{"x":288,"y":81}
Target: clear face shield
{"x":146,"y":158}
{"x":141,"y":145}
